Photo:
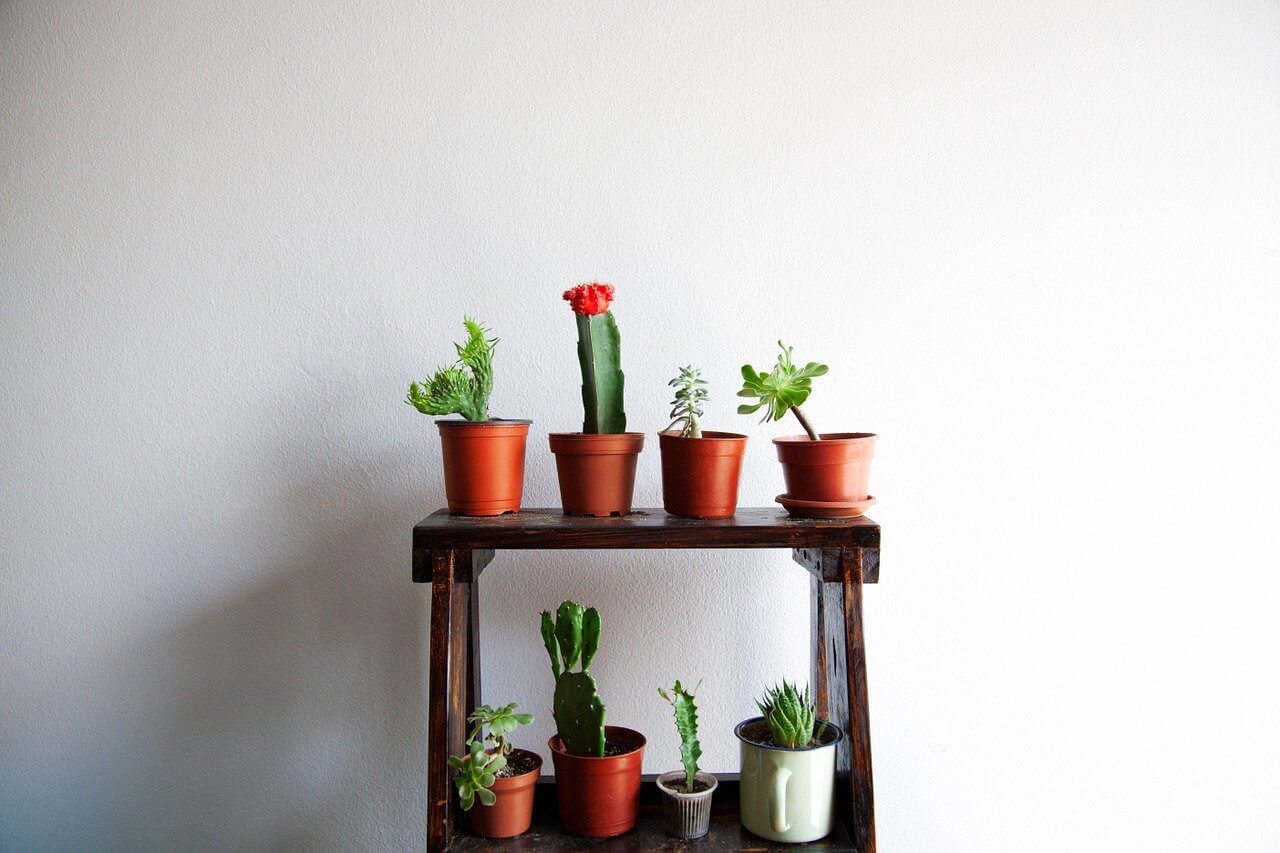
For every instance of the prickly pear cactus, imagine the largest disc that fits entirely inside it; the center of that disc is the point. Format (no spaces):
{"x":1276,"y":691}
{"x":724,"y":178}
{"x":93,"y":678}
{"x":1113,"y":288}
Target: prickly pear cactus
{"x":572,"y":636}
{"x":599,"y":346}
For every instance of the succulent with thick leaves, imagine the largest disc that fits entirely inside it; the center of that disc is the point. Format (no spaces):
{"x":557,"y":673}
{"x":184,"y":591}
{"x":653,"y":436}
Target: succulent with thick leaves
{"x":687,"y":726}
{"x":476,"y":775}
{"x":462,"y":388}
{"x":573,"y":636}
{"x":499,"y":722}
{"x":781,"y":390}
{"x":691,"y":391}
{"x":790,"y":715}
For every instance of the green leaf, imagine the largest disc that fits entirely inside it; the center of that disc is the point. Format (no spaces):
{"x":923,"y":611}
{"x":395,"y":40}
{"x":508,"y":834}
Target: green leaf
{"x":486,"y":796}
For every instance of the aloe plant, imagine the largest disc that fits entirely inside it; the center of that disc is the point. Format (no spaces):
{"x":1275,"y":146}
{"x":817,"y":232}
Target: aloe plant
{"x":790,"y":715}
{"x":573,"y":636}
{"x":686,"y":712}
{"x":462,"y":388}
{"x":691,"y":391}
{"x":780,"y":390}
{"x":599,"y":354}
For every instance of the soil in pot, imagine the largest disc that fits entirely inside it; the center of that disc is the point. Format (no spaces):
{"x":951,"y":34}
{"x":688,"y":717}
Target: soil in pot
{"x":597,"y":472}
{"x":512,"y":813}
{"x":700,"y":475}
{"x":836,"y":469}
{"x":600,"y":797}
{"x":483,"y":465}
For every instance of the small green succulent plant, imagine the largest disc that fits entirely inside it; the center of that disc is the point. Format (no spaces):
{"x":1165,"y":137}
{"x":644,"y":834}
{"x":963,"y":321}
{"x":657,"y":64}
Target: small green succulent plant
{"x":682,"y":701}
{"x":686,"y":408}
{"x":487,"y":754}
{"x":462,"y":388}
{"x":780,"y":390}
{"x":790,"y":715}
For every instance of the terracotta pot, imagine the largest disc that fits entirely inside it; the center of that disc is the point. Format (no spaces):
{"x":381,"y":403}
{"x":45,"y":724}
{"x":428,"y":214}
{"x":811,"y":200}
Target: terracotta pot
{"x":700,"y":475}
{"x":835,"y":469}
{"x":483,"y":465}
{"x":599,"y":797}
{"x":597,"y":471}
{"x":512,"y":814}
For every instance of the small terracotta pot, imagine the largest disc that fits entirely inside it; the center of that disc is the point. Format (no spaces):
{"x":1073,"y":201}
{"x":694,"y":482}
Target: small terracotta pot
{"x":835,"y":469}
{"x":483,"y":465}
{"x":700,"y":475}
{"x":512,"y":813}
{"x":599,"y":797}
{"x":597,"y":471}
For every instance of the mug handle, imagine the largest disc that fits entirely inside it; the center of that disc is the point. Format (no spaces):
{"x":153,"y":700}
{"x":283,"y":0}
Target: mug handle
{"x":778,"y":800}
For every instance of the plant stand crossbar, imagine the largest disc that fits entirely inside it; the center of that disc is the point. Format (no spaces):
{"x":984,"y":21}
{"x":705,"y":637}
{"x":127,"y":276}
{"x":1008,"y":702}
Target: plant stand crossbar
{"x":841,"y":555}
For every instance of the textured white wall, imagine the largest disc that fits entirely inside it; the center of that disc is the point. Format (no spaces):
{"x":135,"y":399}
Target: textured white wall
{"x":1037,"y":243}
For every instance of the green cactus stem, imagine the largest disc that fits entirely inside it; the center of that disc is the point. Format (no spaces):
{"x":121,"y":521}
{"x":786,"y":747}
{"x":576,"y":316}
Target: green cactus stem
{"x":687,"y":726}
{"x":599,"y":351}
{"x":573,"y":635}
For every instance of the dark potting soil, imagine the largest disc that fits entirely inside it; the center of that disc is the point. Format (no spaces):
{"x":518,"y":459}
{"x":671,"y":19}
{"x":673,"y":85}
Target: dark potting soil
{"x":760,"y":733}
{"x":613,"y":747}
{"x":678,"y":785}
{"x":518,"y":764}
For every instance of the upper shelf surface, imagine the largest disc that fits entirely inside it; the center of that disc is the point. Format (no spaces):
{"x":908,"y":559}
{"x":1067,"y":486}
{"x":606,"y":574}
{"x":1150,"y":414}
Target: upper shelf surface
{"x":754,"y":527}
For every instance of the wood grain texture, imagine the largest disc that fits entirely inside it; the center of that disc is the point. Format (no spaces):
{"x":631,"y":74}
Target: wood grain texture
{"x":864,"y":822}
{"x":643,"y":528}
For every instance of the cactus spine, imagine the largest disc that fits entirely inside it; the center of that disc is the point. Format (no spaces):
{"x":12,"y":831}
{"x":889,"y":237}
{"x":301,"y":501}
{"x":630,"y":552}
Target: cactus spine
{"x":599,"y":351}
{"x":687,"y":726}
{"x":573,"y":635}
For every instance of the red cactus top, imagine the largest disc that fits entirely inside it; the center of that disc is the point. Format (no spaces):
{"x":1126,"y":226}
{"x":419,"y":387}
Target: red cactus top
{"x":593,"y":298}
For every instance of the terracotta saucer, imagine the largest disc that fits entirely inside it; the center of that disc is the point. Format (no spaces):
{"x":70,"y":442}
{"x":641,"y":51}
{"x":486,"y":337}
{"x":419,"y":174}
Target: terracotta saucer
{"x":825,"y":509}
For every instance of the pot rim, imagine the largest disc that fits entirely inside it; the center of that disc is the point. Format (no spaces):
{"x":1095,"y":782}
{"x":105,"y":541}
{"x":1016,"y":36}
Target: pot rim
{"x":828,"y":438}
{"x":644,"y":741}
{"x":680,"y":795}
{"x":737,"y":731}
{"x":587,"y":437}
{"x":710,"y":435}
{"x":462,"y":422}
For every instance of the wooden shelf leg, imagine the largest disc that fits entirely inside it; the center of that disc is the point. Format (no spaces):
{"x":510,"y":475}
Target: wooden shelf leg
{"x":838,"y":673}
{"x":449,"y":683}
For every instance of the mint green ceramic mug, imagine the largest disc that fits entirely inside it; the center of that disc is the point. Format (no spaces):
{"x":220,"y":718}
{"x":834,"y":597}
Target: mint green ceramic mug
{"x":786,"y":794}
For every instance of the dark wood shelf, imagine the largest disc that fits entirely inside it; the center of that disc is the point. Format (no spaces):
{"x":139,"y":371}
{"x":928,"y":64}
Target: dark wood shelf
{"x":726,"y":832}
{"x":645,"y":528}
{"x":840,"y":555}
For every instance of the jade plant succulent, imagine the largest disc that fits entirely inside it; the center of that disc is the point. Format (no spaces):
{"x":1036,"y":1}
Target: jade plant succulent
{"x":780,"y":390}
{"x":461,"y":388}
{"x":691,"y":392}
{"x":599,"y":352}
{"x":790,"y":715}
{"x":487,"y":754}
{"x":686,"y":712}
{"x":573,"y":636}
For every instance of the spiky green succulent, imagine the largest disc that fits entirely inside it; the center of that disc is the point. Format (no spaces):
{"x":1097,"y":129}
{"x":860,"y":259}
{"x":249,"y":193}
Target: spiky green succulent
{"x":686,"y":408}
{"x":790,"y":715}
{"x":573,"y":635}
{"x":462,"y":388}
{"x":686,"y":713}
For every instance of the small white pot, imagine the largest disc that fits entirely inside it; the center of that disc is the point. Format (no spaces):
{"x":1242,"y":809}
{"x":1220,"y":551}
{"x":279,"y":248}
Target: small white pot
{"x":686,"y":815}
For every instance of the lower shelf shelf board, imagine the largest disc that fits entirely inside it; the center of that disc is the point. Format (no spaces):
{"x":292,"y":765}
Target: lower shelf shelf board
{"x":726,"y":832}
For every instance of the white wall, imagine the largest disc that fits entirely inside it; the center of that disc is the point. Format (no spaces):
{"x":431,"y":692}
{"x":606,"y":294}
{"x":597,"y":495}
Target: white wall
{"x":1036,"y":242}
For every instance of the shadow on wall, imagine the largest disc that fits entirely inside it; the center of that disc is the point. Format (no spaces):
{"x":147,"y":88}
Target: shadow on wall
{"x":298,"y":714}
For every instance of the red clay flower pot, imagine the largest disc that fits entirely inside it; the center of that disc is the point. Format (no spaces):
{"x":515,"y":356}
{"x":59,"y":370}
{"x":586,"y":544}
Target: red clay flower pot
{"x":597,"y":471}
{"x":599,"y":797}
{"x":483,"y":465}
{"x":833,"y":470}
{"x":700,"y":475}
{"x":512,"y":814}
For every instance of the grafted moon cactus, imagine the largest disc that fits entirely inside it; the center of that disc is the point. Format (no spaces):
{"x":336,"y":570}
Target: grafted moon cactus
{"x":573,"y":636}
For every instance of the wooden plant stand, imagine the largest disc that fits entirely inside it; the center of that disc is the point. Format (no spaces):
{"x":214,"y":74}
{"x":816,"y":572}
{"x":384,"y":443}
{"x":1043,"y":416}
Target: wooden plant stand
{"x":841,"y":555}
